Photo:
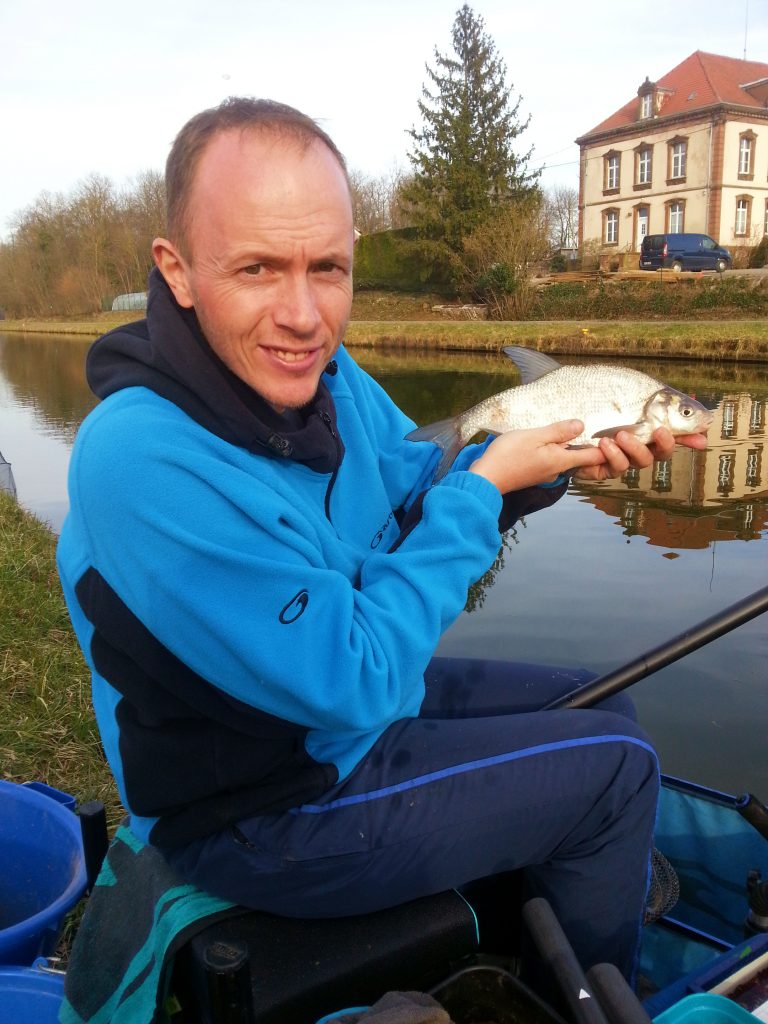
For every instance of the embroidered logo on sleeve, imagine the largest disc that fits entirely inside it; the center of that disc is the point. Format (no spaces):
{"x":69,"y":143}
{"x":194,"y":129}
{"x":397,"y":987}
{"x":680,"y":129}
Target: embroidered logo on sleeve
{"x":378,"y":537}
{"x":295,"y":608}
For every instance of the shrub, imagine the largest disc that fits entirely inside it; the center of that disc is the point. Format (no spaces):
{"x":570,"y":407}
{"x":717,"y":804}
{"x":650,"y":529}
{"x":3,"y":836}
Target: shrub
{"x":557,"y":264}
{"x":758,"y":256}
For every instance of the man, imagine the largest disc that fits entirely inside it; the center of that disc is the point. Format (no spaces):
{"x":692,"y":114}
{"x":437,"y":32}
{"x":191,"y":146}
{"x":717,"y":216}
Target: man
{"x":259,"y":572}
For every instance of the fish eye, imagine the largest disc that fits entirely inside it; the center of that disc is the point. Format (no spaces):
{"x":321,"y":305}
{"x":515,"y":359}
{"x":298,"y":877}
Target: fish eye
{"x":687,"y":411}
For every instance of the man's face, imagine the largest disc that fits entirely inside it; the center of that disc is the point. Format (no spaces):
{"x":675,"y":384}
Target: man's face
{"x":269,"y":265}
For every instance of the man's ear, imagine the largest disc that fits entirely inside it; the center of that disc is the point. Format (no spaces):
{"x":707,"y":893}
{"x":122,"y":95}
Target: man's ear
{"x":172,"y":266}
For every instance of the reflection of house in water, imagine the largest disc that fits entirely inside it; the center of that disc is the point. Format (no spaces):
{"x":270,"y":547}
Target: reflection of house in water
{"x":698,"y":497}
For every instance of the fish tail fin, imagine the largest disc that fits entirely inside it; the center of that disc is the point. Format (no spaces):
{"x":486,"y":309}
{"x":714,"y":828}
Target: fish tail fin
{"x":446,"y":434}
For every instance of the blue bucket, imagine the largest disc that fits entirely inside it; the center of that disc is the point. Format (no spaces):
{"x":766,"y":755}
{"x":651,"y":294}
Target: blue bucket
{"x":43,"y":869}
{"x":30,"y":995}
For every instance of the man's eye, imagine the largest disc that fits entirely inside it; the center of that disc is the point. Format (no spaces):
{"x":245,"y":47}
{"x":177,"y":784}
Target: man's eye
{"x":253,"y":269}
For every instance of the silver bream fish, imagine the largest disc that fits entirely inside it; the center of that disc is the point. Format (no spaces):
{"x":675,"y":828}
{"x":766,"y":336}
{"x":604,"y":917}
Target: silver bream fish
{"x":605,"y":398}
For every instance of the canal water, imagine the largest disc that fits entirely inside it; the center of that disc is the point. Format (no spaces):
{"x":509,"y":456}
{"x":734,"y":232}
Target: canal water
{"x":605,"y":575}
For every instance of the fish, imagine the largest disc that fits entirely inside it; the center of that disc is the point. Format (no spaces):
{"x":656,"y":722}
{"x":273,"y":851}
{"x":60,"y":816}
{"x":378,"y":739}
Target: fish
{"x":605,"y":398}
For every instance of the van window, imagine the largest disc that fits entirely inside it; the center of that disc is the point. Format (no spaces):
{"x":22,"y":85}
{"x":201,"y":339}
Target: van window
{"x":653,"y":243}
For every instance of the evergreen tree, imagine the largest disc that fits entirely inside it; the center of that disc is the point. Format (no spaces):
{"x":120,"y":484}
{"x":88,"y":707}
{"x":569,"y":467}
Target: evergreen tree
{"x":463,"y":160}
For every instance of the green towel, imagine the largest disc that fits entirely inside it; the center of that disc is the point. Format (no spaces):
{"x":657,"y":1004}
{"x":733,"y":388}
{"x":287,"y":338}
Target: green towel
{"x":139,"y":913}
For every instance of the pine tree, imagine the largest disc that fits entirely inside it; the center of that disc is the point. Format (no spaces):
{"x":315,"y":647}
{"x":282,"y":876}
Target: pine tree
{"x":463,"y":160}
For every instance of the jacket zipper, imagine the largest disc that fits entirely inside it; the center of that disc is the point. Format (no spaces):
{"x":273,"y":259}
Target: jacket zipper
{"x":329,"y":424}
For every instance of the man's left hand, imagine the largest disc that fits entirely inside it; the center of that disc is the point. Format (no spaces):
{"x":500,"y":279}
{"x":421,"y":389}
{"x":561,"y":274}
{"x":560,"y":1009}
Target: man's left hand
{"x":625,"y":451}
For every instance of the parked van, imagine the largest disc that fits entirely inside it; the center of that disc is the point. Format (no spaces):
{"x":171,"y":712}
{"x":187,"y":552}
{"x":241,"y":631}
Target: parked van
{"x":683,"y":252}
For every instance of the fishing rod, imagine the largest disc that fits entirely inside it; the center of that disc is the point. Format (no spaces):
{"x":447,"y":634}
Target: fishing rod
{"x":672,"y":650}
{"x":750,"y":808}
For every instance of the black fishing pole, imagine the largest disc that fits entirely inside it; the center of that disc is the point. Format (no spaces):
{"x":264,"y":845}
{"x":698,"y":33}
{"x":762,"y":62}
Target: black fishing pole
{"x":674,"y":649}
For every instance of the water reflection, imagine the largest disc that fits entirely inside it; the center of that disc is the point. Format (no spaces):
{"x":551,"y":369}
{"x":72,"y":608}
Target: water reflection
{"x":698,"y":497}
{"x":606,"y":574}
{"x":689,"y":501}
{"x":45,"y":374}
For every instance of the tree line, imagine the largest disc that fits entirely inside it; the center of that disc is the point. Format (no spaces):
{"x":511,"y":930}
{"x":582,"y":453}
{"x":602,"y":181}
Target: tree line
{"x":477,"y":209}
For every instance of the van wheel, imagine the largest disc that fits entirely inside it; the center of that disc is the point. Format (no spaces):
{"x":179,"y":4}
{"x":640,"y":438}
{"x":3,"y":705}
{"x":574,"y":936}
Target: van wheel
{"x":677,"y":266}
{"x":722,"y":266}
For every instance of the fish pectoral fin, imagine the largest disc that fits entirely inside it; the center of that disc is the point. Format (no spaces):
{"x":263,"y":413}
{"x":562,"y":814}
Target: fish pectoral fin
{"x":631,"y":428}
{"x":440,"y":432}
{"x":530,"y":363}
{"x":447,"y":436}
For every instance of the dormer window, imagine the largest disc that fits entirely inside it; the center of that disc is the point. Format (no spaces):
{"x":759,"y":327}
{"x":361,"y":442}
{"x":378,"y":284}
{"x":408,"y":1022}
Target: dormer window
{"x":646,"y":92}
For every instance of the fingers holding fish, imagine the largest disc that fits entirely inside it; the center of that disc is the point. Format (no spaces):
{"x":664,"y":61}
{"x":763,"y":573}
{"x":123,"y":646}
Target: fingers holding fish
{"x":538,"y":455}
{"x":663,"y":443}
{"x":625,"y":451}
{"x":619,"y":454}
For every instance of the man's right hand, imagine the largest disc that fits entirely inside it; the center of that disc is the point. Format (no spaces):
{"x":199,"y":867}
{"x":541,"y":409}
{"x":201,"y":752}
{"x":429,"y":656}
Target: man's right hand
{"x":525,"y":458}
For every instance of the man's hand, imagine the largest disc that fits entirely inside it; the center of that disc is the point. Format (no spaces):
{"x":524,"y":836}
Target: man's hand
{"x":625,"y":451}
{"x":523,"y":458}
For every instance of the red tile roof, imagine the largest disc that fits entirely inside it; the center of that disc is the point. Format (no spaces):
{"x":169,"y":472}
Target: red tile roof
{"x":700,"y":80}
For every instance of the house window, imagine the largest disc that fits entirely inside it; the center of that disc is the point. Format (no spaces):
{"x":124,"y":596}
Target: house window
{"x":678,"y":152}
{"x":675,"y":217}
{"x":743,"y":207}
{"x":728,"y":428}
{"x":746,"y":154}
{"x":757,"y":416}
{"x":643,"y":166}
{"x":612,"y":169}
{"x":611,"y":227}
{"x":646,"y":105}
{"x":726,"y":464}
{"x":765,"y":222}
{"x":754,"y":467}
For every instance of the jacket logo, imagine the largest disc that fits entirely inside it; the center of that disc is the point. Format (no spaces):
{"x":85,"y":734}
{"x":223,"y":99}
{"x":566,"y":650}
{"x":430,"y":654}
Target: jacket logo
{"x":295,"y":608}
{"x":378,"y":537}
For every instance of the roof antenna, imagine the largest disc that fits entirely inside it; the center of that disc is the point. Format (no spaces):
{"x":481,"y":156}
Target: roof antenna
{"x":746,"y":25}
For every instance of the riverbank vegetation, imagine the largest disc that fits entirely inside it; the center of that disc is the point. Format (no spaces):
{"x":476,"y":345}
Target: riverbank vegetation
{"x":47,"y":727}
{"x":710,"y":319}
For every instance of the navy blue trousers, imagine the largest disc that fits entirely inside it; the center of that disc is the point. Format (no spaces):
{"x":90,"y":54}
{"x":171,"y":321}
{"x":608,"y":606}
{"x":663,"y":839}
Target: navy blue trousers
{"x":481,"y":783}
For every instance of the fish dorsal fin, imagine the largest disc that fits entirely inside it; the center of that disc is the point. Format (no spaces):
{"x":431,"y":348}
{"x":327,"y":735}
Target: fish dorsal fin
{"x":531,"y":364}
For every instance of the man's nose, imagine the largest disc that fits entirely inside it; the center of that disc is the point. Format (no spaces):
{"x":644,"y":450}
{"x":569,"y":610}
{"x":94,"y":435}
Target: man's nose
{"x":296,"y":305}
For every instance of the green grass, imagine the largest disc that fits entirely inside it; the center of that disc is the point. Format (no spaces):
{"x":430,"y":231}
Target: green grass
{"x":47,"y":727}
{"x":714,"y":340}
{"x":680,"y":320}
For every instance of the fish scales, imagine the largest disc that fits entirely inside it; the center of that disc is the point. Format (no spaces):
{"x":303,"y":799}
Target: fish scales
{"x":600,"y":396}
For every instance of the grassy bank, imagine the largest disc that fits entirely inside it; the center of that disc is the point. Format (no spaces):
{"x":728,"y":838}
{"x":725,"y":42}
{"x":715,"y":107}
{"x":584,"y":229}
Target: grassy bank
{"x":711,"y":340}
{"x":47,"y":729}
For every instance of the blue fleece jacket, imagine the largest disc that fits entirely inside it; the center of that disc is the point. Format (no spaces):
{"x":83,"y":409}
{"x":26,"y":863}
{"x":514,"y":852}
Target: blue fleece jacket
{"x":256,"y":608}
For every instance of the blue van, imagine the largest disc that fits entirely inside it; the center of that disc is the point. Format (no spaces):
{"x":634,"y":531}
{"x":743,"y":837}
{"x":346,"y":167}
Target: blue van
{"x":683,"y":252}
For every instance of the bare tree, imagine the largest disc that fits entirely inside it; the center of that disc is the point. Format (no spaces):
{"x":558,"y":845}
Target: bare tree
{"x":69,"y":255}
{"x":375,"y":200}
{"x":500,"y":255}
{"x":562,"y":209}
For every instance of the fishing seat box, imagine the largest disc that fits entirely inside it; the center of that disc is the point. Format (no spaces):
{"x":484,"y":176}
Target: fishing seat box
{"x":256,"y":967}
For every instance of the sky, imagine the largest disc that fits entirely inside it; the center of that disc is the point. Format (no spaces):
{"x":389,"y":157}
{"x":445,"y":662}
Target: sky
{"x":102,"y":88}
